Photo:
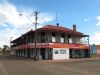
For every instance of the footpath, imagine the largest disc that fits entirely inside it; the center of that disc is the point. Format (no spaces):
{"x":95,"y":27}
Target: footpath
{"x":75,"y":60}
{"x":65,"y":60}
{"x":2,"y":70}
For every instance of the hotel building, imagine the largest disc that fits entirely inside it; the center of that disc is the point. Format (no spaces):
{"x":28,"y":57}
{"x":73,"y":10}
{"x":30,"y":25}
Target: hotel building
{"x":52,"y":42}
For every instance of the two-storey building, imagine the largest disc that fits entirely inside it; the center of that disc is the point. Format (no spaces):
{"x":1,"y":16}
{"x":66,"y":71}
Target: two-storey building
{"x":52,"y":42}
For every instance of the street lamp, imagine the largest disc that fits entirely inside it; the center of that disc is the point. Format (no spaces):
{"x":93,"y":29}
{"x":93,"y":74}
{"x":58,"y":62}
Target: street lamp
{"x":26,"y":17}
{"x":36,"y":18}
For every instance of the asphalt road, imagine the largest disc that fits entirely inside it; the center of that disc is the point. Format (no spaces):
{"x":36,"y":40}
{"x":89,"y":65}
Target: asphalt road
{"x":16,"y":66}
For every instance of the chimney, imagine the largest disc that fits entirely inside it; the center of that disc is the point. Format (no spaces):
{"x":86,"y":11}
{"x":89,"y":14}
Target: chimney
{"x":57,"y":24}
{"x":74,"y":27}
{"x":31,"y":29}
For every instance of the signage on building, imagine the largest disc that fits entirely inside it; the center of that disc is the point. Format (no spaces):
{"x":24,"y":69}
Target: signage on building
{"x":52,"y":45}
{"x":60,"y":45}
{"x":60,"y":53}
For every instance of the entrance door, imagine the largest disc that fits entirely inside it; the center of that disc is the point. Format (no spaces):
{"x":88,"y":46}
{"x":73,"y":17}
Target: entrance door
{"x":43,"y":53}
{"x":72,"y":53}
{"x":50,"y":54}
{"x":28,"y":53}
{"x":86,"y":53}
{"x":75,"y":53}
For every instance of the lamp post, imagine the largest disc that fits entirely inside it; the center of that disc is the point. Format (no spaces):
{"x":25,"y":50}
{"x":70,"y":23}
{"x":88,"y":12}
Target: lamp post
{"x":36,"y":18}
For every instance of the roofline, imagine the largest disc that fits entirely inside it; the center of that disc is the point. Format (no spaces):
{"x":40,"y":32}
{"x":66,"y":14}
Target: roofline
{"x":85,"y":35}
{"x":22,"y":35}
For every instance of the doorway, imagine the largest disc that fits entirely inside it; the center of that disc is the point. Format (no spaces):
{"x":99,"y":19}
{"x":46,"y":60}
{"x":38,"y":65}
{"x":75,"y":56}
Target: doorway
{"x":79,"y":53}
{"x":42,"y":52}
{"x":50,"y":54}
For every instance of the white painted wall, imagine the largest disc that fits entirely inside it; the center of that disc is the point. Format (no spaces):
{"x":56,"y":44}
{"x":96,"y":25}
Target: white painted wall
{"x":60,"y":53}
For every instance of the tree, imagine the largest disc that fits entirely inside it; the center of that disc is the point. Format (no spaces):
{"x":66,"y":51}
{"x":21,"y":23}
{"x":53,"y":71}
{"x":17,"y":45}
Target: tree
{"x":5,"y":48}
{"x":0,"y":49}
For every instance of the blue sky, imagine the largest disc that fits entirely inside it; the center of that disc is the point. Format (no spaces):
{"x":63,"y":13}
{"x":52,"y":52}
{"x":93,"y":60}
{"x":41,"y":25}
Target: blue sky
{"x":84,"y":13}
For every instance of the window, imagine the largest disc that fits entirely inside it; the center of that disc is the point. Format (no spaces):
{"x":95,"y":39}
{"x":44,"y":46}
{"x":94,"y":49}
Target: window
{"x":63,"y":35}
{"x":53,"y":37}
{"x":53,"y":34}
{"x":70,"y":40}
{"x":62,"y":51}
{"x":56,"y":51}
{"x":42,"y":33}
{"x":68,"y":36}
{"x":63,"y":38}
{"x":42,"y":36}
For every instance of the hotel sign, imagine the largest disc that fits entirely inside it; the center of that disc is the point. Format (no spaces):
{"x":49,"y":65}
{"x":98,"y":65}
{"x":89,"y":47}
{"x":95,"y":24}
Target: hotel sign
{"x":77,"y":46}
{"x":52,"y":45}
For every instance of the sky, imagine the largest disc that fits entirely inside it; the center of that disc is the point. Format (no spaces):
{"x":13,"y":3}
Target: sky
{"x":84,"y":13}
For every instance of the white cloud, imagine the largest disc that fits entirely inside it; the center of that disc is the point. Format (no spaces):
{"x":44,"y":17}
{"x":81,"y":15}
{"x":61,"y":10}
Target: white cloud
{"x":98,"y":22}
{"x":9,"y":13}
{"x":95,"y":38}
{"x":95,"y":34}
{"x":4,"y":25}
{"x":16,"y":25}
{"x":48,"y":19}
{"x":87,"y":19}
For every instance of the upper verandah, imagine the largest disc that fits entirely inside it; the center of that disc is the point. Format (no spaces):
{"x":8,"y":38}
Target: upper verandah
{"x":56,"y":29}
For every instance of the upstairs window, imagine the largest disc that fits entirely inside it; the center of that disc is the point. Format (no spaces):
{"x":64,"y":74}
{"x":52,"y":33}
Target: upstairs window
{"x":42,"y":33}
{"x":53,"y":37}
{"x":62,"y":38}
{"x":70,"y":40}
{"x":43,"y":37}
{"x":53,"y":34}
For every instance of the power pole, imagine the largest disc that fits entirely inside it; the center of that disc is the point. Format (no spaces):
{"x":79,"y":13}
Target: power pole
{"x":36,"y":18}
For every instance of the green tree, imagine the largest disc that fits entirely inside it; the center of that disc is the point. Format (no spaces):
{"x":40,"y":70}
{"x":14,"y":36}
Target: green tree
{"x":5,"y":48}
{"x":0,"y":49}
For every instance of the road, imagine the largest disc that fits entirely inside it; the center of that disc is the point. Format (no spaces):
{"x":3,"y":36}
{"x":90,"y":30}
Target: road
{"x":16,"y":66}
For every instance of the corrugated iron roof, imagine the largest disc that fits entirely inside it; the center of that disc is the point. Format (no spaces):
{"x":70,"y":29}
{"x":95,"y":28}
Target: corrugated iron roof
{"x":59,"y":29}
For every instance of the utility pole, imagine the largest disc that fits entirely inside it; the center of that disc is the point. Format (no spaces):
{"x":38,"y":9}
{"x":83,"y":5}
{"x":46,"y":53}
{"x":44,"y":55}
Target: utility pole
{"x":36,"y":18}
{"x":35,"y":43}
